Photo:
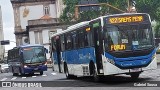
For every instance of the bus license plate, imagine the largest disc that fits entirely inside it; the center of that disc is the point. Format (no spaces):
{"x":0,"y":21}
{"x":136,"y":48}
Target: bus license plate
{"x":135,"y":70}
{"x":36,"y":69}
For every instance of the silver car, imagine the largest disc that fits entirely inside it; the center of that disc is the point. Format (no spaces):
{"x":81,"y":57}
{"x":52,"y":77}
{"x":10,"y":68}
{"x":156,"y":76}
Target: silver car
{"x":4,"y":68}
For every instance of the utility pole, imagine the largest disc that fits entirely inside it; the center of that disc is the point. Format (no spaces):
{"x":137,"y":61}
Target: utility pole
{"x":129,"y":6}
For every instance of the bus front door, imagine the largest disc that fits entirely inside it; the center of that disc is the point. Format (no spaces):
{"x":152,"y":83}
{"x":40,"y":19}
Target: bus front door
{"x":96,"y":27}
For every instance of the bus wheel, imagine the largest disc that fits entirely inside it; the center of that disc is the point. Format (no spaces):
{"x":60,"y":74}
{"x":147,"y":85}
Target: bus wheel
{"x":135,"y":75}
{"x":96,"y":77}
{"x":41,"y":72}
{"x":15,"y":74}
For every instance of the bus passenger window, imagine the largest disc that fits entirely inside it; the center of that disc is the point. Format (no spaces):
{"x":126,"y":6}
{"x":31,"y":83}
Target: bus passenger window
{"x":81,"y":39}
{"x":69,"y":42}
{"x":74,"y":40}
{"x":86,"y":39}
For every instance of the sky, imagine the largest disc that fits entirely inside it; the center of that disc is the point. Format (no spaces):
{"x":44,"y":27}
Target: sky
{"x":8,"y":22}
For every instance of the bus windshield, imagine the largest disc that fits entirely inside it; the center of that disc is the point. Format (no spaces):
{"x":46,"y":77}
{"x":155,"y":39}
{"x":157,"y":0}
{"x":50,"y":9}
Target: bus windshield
{"x":128,"y":37}
{"x":34,"y":54}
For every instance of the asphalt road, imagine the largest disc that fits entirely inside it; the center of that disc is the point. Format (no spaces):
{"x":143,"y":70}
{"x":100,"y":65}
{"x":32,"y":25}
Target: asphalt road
{"x":58,"y":81}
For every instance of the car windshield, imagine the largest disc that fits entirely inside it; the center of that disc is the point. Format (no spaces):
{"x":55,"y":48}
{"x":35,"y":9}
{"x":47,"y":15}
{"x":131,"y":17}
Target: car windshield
{"x":34,"y":54}
{"x":128,"y":37}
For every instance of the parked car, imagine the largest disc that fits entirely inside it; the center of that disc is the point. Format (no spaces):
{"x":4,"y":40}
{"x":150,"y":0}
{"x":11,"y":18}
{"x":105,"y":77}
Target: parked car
{"x":4,"y":68}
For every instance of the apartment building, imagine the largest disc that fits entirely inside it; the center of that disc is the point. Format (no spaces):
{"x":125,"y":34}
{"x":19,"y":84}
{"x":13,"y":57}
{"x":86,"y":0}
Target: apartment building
{"x":36,"y":20}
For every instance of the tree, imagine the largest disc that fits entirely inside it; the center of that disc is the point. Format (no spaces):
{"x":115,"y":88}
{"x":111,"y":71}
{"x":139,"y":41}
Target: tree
{"x":152,"y":7}
{"x":149,"y":6}
{"x":68,"y":12}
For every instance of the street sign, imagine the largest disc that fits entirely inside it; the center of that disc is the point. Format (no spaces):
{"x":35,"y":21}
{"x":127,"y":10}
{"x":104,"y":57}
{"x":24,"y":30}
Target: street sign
{"x":5,"y":42}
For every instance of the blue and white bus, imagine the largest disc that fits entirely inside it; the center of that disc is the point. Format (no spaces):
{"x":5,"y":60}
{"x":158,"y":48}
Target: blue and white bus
{"x":27,"y":59}
{"x":108,"y":45}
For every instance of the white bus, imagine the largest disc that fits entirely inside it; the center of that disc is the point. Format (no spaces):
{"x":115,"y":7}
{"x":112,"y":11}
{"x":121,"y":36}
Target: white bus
{"x":108,"y":45}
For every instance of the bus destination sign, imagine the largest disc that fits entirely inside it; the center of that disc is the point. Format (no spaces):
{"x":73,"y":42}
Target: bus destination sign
{"x":125,"y":19}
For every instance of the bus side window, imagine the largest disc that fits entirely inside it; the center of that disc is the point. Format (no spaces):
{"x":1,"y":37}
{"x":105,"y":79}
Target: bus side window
{"x":88,"y":38}
{"x":74,"y":40}
{"x":86,"y":41}
{"x":53,"y":44}
{"x":62,"y":43}
{"x":81,"y":38}
{"x":69,"y":41}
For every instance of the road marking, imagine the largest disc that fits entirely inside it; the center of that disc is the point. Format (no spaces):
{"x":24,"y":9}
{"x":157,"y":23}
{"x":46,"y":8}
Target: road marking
{"x":158,"y":75}
{"x":44,"y":75}
{"x":24,"y":77}
{"x":34,"y":76}
{"x":4,"y":79}
{"x":14,"y":78}
{"x":54,"y":73}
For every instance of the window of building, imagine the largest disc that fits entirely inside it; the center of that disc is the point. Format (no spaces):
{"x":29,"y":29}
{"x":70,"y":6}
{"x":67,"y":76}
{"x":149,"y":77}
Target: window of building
{"x":46,"y":10}
{"x":36,"y":37}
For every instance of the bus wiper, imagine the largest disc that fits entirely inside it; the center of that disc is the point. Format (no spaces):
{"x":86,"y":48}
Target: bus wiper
{"x":38,"y":57}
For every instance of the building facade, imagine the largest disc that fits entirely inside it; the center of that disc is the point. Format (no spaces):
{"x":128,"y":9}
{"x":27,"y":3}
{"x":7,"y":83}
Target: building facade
{"x":35,"y":20}
{"x":2,"y":49}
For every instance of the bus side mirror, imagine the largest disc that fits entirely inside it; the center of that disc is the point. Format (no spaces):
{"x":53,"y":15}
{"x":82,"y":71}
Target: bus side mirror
{"x":46,"y":50}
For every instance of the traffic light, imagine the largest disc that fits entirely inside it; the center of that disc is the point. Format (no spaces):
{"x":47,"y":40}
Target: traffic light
{"x":5,"y":42}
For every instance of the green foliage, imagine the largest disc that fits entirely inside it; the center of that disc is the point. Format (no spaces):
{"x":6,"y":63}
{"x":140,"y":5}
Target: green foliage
{"x":148,"y":6}
{"x":152,"y":7}
{"x":157,"y":28}
{"x":68,"y":12}
{"x":88,"y":15}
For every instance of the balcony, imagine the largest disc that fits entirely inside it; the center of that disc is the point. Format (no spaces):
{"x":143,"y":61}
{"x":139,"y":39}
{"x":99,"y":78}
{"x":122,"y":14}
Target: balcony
{"x":43,"y":21}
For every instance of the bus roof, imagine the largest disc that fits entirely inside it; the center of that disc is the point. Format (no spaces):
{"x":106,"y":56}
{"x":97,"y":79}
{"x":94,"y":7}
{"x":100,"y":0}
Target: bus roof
{"x":81,"y":24}
{"x":72,"y":27}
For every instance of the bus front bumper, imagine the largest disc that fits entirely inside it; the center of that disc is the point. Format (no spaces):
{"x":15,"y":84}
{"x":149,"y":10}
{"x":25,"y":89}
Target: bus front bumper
{"x":35,"y":69}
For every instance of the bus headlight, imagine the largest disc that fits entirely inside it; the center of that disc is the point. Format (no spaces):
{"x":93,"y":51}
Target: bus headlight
{"x":25,"y":66}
